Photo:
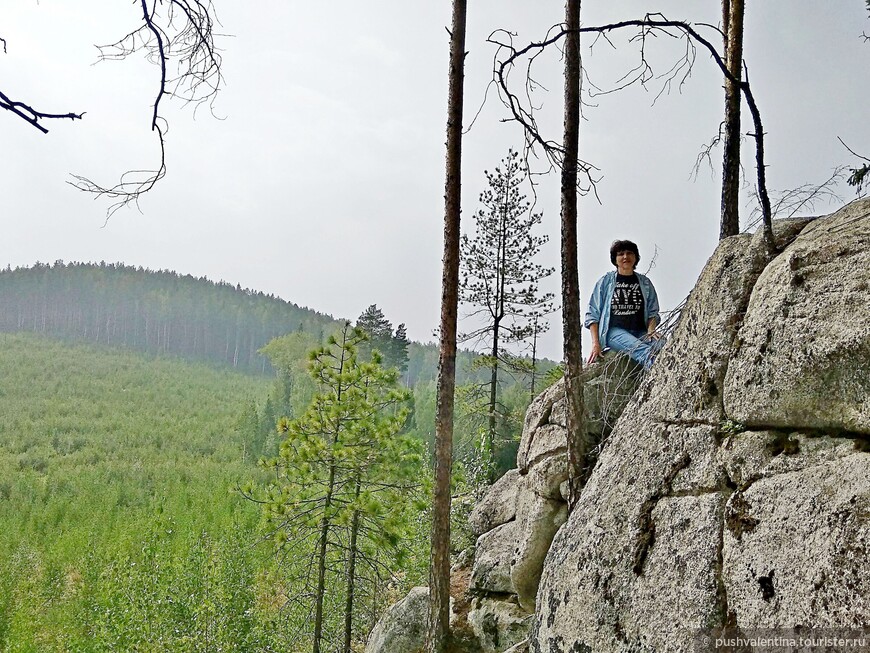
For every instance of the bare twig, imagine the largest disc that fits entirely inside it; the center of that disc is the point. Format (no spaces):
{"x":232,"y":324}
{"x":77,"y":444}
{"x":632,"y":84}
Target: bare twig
{"x":652,"y":25}
{"x":851,"y":151}
{"x":27,"y":112}
{"x":172,"y":31}
{"x":31,"y":115}
{"x":787,"y":203}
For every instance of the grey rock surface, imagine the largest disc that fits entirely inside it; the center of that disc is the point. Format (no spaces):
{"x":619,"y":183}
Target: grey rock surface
{"x":687,"y":380}
{"x":609,"y":384}
{"x":545,"y":440}
{"x":806,"y":337}
{"x":402,"y":629}
{"x":798,"y":550}
{"x":538,"y":520}
{"x":498,"y":506}
{"x":728,"y":494}
{"x":520,"y":647}
{"x":546,"y":477}
{"x":492,"y":559}
{"x":498,"y":625}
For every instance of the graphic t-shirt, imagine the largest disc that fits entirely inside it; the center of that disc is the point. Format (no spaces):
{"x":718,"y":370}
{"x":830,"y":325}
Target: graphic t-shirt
{"x":626,"y":305}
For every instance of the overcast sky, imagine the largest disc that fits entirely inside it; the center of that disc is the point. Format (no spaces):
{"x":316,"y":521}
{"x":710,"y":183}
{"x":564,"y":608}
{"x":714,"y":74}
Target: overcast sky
{"x":322,"y":181}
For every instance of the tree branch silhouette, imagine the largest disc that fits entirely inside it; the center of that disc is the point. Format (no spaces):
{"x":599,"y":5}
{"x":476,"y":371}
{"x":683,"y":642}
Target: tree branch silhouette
{"x":652,"y":25}
{"x":174,"y":34}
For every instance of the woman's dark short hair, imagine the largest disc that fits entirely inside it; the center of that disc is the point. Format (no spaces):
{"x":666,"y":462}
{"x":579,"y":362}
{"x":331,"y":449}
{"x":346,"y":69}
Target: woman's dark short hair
{"x":622,"y":246}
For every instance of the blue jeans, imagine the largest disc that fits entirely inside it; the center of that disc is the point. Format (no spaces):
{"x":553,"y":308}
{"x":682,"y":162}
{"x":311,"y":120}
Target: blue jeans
{"x":635,"y":344}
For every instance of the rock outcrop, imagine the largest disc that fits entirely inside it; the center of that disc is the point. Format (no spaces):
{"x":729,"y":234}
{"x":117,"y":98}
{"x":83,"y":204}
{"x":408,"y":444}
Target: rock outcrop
{"x":734,"y":491}
{"x":517,"y":518}
{"x":402,"y":629}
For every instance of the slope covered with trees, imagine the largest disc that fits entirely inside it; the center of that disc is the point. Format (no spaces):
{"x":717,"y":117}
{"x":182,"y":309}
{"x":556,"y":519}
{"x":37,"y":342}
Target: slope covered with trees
{"x":164,"y":313}
{"x":158,"y":312}
{"x":120,"y":525}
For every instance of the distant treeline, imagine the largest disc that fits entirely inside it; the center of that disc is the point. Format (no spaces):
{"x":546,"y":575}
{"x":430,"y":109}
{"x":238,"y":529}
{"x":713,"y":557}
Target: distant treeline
{"x":158,"y":312}
{"x":163,"y":312}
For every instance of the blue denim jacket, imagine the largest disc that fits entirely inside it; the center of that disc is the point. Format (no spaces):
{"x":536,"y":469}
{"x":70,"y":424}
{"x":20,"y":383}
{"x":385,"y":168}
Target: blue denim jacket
{"x":599,"y":303}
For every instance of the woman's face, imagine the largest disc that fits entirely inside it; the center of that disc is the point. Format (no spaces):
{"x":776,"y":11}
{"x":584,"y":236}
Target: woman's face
{"x":625,"y":261}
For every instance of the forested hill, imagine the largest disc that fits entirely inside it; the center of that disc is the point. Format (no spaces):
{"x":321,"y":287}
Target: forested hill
{"x":158,"y":312}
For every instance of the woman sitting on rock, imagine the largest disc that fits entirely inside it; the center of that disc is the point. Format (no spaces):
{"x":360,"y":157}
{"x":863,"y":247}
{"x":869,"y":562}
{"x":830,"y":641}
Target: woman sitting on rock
{"x":624,"y":309}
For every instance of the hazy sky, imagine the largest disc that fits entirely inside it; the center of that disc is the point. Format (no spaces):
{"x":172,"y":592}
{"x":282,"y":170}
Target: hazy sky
{"x":322,"y":181}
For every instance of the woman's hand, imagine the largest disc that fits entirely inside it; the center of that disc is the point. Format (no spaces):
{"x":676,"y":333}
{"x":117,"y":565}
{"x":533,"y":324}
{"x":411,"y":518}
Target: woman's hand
{"x":595,"y":353}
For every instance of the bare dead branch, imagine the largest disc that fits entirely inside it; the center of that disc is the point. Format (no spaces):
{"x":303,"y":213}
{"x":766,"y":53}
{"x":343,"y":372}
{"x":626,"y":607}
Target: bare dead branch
{"x":651,"y":26}
{"x":523,"y":112}
{"x":806,"y":197}
{"x":179,"y":32}
{"x":851,"y":151}
{"x":31,"y":115}
{"x":27,"y":113}
{"x":705,"y":155}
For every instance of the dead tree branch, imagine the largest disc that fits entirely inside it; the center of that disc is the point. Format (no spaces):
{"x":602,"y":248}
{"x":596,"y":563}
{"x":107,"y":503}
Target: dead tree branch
{"x":175,"y":35}
{"x":857,"y":176}
{"x":27,"y":113}
{"x":179,"y":32}
{"x":651,"y":26}
{"x":805,"y":197}
{"x":31,"y":115}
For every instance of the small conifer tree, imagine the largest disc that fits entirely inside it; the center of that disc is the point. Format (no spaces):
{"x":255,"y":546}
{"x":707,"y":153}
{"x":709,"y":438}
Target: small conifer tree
{"x":345,"y":486}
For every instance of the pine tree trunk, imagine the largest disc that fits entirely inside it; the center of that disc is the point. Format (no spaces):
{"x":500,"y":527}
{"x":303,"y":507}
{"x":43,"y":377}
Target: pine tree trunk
{"x":578,"y":446}
{"x":732,"y":24}
{"x":438,"y":628}
{"x":489,"y":449}
{"x":351,"y":575}
{"x":320,"y":590}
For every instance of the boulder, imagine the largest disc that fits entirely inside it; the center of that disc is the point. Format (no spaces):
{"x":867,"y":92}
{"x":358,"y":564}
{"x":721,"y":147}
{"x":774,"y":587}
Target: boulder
{"x":734,"y":491}
{"x":608,"y":385}
{"x":545,"y":440}
{"x":539,"y":411}
{"x":498,"y":506}
{"x":687,"y":381}
{"x":498,"y":625}
{"x":491,"y":572}
{"x":402,"y":628}
{"x":546,"y":477}
{"x":538,"y":519}
{"x":805,"y":342}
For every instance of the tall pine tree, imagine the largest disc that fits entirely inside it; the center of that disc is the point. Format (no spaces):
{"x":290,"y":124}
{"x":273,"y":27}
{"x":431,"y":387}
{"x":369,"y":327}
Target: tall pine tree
{"x":500,"y":280}
{"x":393,"y":346}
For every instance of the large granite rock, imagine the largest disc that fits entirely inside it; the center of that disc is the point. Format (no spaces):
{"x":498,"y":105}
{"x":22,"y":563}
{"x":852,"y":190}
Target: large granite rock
{"x":498,"y":625}
{"x":801,"y":359}
{"x":493,"y":554}
{"x":797,"y":548}
{"x":539,"y":520}
{"x":608,"y":386}
{"x":692,"y":521}
{"x":402,"y":629}
{"x":498,"y":506}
